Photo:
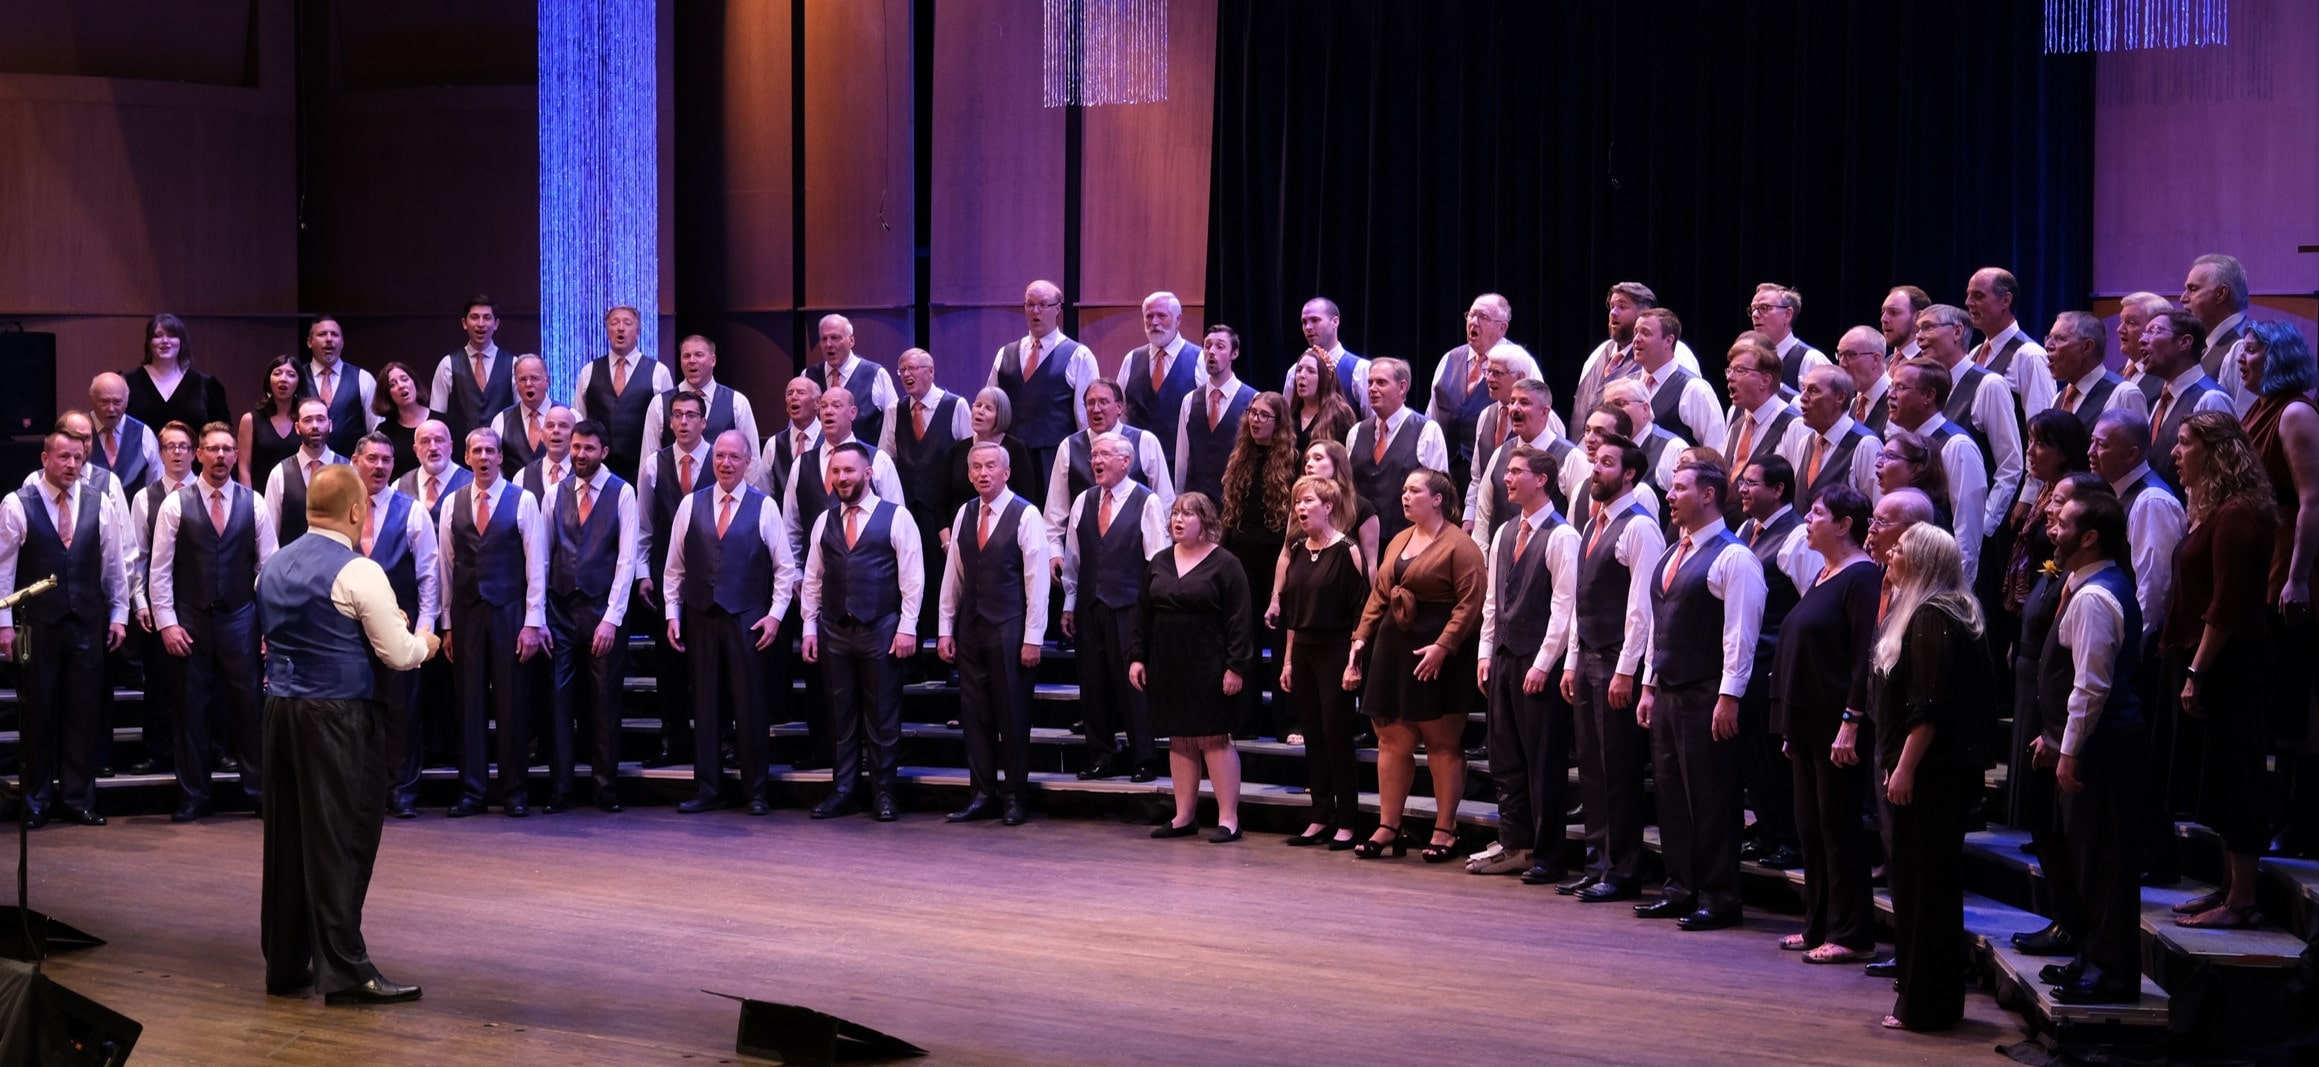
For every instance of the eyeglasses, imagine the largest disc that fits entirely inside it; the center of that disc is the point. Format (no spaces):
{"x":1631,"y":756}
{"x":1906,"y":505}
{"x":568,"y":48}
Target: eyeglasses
{"x":1033,"y":305}
{"x":1744,"y":482}
{"x":1765,"y":309}
{"x":176,"y":446}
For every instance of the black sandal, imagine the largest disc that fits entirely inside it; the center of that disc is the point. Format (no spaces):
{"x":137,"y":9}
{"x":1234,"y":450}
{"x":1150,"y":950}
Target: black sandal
{"x":1437,"y":853}
{"x":1373,"y":848}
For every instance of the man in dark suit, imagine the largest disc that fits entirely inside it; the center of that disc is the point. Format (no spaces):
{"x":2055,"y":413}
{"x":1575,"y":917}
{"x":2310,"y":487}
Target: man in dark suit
{"x":495,"y":556}
{"x":862,"y":585}
{"x":399,"y":535}
{"x":591,"y":536}
{"x":994,"y":617}
{"x":730,"y":577}
{"x":1706,"y":597}
{"x":1111,"y":532}
{"x":477,"y":382}
{"x":1527,"y":614}
{"x":209,"y":541}
{"x":617,"y":387}
{"x":669,"y":475}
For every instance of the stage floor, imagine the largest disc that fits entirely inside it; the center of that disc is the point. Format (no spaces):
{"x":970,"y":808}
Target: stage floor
{"x":587,"y":938}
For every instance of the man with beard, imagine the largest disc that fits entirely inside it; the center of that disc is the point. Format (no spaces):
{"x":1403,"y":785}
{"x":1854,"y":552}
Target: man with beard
{"x":863,"y":581}
{"x":591,"y":570}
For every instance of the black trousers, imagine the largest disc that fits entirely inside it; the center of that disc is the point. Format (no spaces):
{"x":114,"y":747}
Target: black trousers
{"x":1928,"y":899}
{"x":493,"y":689}
{"x":1699,"y":805}
{"x":2040,"y":803}
{"x":58,"y":717}
{"x":1529,"y":735}
{"x":672,"y":678}
{"x":221,"y":667}
{"x":864,"y":684}
{"x":994,"y":704}
{"x":1611,"y":751}
{"x":1324,"y":711}
{"x":1839,"y":903}
{"x":403,"y":748}
{"x":1105,"y":698}
{"x":728,"y":672}
{"x":2101,"y":824}
{"x":1764,"y":770}
{"x":587,"y":691}
{"x":323,"y":814}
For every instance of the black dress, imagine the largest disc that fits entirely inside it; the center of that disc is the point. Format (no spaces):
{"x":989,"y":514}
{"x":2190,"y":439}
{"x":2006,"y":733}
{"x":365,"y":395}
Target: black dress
{"x":2031,"y":791}
{"x":1942,"y":679}
{"x":1822,"y":669}
{"x":1257,"y":547}
{"x":406,"y":452}
{"x":1320,"y":602}
{"x":268,"y":448}
{"x":1189,"y":629}
{"x":198,"y":400}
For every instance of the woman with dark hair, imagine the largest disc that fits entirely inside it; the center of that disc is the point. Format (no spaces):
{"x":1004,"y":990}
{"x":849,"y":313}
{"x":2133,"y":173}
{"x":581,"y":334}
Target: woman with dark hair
{"x":1820,"y":697}
{"x":1931,"y":685}
{"x":1257,"y":479}
{"x":2057,"y":448}
{"x":1317,"y":410}
{"x":2218,"y":643}
{"x":1907,"y":462}
{"x":1416,"y":647}
{"x":401,"y":407}
{"x":1190,"y":647}
{"x":166,"y":388}
{"x":2276,"y":363}
{"x":1319,"y":602}
{"x":269,"y":432}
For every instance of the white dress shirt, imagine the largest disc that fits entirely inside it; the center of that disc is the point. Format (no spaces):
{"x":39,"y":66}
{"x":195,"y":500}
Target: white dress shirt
{"x":1151,"y":469}
{"x":2219,"y":399}
{"x":1734,"y":577}
{"x":162,"y":565}
{"x":527,"y":524}
{"x":1813,"y":357}
{"x":1968,"y":487}
{"x":426,"y":560}
{"x":1481,"y":504}
{"x":1080,"y":371}
{"x":2091,"y":626}
{"x":1031,"y":539}
{"x":1525,"y":365}
{"x":761,"y":466}
{"x":111,"y":545}
{"x":1155,"y":531}
{"x":1195,"y":406}
{"x":1684,"y":358}
{"x":770,"y":529}
{"x":1181,"y":348}
{"x":91,"y":474}
{"x":2030,"y":375}
{"x":1697,"y":408}
{"x":1735,"y":423}
{"x":1562,"y":609}
{"x":460,"y":362}
{"x":1796,"y":448}
{"x":361,"y":592}
{"x":144,"y":443}
{"x":628,"y":559}
{"x":647,"y":475}
{"x":744,"y":419}
{"x":2227,"y":371}
{"x":1432,"y":447}
{"x":137,"y":552}
{"x":275,"y":487}
{"x":909,"y":564}
{"x":662,"y":381}
{"x":870,"y":384}
{"x":2124,"y":397}
{"x":961,"y":419}
{"x":1638,"y":548}
{"x":343,"y":374}
{"x":1992,"y":410}
{"x":2155,"y":526}
{"x":885,"y":484}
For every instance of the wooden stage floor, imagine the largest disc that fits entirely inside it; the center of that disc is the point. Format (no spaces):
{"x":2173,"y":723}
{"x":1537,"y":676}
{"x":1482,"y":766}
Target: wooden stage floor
{"x":585,"y":938}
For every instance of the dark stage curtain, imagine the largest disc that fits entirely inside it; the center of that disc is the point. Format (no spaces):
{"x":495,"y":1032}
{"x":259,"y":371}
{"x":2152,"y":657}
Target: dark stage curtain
{"x":1401,"y":158}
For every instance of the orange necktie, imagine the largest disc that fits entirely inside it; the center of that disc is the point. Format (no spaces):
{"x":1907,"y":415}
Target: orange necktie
{"x":1746,"y":439}
{"x":853,"y":525}
{"x":482,"y":510}
{"x":369,"y":525}
{"x":1812,"y":469}
{"x":217,"y":513}
{"x":1103,"y":516}
{"x":1031,"y":359}
{"x":64,"y":517}
{"x":585,"y":502}
{"x":918,"y":418}
{"x":1159,"y":373}
{"x":725,"y":515}
{"x":684,"y":475}
{"x":982,"y":538}
{"x":2069,"y":397}
{"x":1682,"y":548}
{"x":1377,"y":454}
{"x":1215,"y":406}
{"x":619,"y":375}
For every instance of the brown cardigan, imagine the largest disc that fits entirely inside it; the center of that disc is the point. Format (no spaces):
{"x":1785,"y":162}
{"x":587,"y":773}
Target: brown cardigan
{"x":1451,"y":570}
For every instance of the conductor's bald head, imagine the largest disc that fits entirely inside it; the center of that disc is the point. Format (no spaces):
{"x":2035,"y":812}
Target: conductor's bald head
{"x":336,"y":500}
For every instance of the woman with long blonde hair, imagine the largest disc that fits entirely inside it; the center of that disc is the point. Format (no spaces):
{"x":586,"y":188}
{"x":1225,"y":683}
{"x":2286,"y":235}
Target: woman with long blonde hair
{"x":1932,"y":676}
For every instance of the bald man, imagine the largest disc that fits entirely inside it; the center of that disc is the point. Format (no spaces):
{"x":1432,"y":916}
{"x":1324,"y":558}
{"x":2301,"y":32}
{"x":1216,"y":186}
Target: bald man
{"x":523,"y":427}
{"x":552,"y":463}
{"x":841,"y":368}
{"x":617,"y":387}
{"x":123,"y":446}
{"x":1459,"y":391}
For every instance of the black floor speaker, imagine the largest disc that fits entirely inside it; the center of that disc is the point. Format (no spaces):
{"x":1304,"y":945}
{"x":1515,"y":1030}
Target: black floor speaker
{"x":27,"y":382}
{"x":45,"y":1024}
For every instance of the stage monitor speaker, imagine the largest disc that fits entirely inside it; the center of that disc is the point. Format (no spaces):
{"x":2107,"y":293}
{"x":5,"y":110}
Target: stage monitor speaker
{"x":48,"y":935}
{"x":43,"y":1024}
{"x":27,"y":382}
{"x":803,"y":1037}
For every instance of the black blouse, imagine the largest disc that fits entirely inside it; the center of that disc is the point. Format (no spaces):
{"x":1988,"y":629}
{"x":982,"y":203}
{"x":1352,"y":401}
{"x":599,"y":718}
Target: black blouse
{"x":198,"y":401}
{"x":1825,"y":648}
{"x":1941,"y":680}
{"x":1323,"y":593}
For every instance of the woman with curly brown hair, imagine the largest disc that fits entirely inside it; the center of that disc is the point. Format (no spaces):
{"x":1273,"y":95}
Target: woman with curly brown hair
{"x":1257,"y":480}
{"x":1317,"y":410}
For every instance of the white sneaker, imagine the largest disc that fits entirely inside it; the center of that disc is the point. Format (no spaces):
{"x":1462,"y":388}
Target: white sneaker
{"x":1504,"y":861}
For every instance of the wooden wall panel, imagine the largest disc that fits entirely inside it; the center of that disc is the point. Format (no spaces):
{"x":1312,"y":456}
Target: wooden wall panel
{"x":965,"y":339}
{"x":758,"y":188}
{"x":1143,"y":178}
{"x":860,"y":187}
{"x":998,"y":159}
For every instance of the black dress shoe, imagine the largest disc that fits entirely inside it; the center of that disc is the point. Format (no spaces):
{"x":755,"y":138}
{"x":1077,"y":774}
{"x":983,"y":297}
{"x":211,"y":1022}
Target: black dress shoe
{"x":1754,"y":847}
{"x":557,"y":804}
{"x":2061,"y":973}
{"x":882,"y":808}
{"x":2096,"y":992}
{"x":150,"y":765}
{"x":1606,"y":892}
{"x":228,"y":765}
{"x":1106,"y":769}
{"x":1882,"y":969}
{"x":1014,"y":816}
{"x":295,"y":988}
{"x":1782,"y":858}
{"x":464,"y":809}
{"x":404,"y":811}
{"x":1224,"y":835}
{"x":759,"y":806}
{"x":2051,"y":941}
{"x":1665,"y":908}
{"x":810,"y":762}
{"x":1144,"y":772}
{"x":79,"y":817}
{"x":608,"y":801}
{"x":842,"y":802}
{"x":517,"y":810}
{"x":1706,"y":919}
{"x":36,"y":820}
{"x":666,"y":757}
{"x":1571,"y":887}
{"x":189,"y":812}
{"x":1168,"y":830}
{"x":698,"y":805}
{"x":1543,"y":874}
{"x":980,"y":809}
{"x":375,"y":991}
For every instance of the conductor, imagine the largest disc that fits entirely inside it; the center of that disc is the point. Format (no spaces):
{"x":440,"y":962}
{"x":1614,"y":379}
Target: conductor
{"x":330,"y":621}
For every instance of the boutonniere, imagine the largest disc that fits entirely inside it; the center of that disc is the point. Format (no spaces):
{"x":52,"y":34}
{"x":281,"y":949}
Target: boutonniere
{"x":2050,"y":569}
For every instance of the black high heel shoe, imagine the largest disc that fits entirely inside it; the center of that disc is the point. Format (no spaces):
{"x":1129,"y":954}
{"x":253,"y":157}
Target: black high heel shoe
{"x":1373,"y":848}
{"x":1438,"y":853}
{"x":1306,"y":840}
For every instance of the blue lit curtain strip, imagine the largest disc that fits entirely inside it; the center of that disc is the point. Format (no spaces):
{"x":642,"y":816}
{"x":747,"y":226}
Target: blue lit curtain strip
{"x":599,"y":191}
{"x":2125,"y":25}
{"x":1106,"y":52}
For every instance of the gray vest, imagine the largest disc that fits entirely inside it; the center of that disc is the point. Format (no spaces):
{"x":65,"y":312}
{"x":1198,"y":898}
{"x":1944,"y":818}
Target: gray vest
{"x":863,"y":582}
{"x":991,"y":576}
{"x":490,"y":564}
{"x":1379,"y":482}
{"x":1686,"y":618}
{"x":215,"y":572}
{"x":1779,"y":592}
{"x":583,"y":556}
{"x":1603,"y":580}
{"x":1111,"y":564}
{"x":1525,"y":592}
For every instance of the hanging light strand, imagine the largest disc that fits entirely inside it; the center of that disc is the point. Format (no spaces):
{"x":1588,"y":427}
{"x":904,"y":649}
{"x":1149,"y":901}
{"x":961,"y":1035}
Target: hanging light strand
{"x":1105,"y":52}
{"x":599,"y":208}
{"x":2073,"y":26}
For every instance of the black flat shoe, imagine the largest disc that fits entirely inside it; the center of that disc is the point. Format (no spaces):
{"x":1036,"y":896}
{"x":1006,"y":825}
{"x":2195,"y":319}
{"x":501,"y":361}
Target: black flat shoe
{"x":1172,"y":830}
{"x":1224,"y":836}
{"x":698,"y":805}
{"x":1308,"y":840}
{"x":464,"y":809}
{"x":1882,"y":969}
{"x":1572,"y":886}
{"x":980,"y":809}
{"x":1606,"y":892}
{"x":375,"y":991}
{"x":1144,"y":772}
{"x":1343,"y":844}
{"x":1704,"y":919}
{"x":1664,"y":908}
{"x":1375,"y":849}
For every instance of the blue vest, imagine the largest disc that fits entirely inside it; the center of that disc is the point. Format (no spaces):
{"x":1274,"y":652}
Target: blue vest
{"x":814,"y":498}
{"x":1603,"y":581}
{"x":1456,"y":411}
{"x":213,"y":571}
{"x":991,"y":576}
{"x":733,"y":573}
{"x":583,"y":556}
{"x":291,"y":523}
{"x":79,"y":570}
{"x":470,"y":406}
{"x":1079,"y":454}
{"x":1686,"y":618}
{"x":1353,"y":390}
{"x":720,"y":415}
{"x":313,"y":652}
{"x":863,"y":581}
{"x":622,"y":414}
{"x":1111,"y":565}
{"x":923,"y":465}
{"x":348,"y":421}
{"x":132,"y":468}
{"x":1044,"y":409}
{"x":490,"y":566}
{"x":392,"y":552}
{"x":1525,"y":592}
{"x":869,"y":421}
{"x":413,"y":484}
{"x":1158,"y":410}
{"x":1208,"y":451}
